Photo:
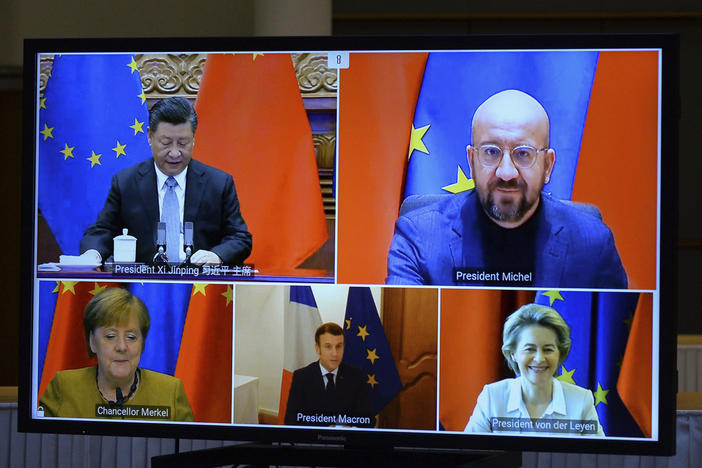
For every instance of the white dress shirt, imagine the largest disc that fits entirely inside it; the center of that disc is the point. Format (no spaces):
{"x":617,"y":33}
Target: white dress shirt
{"x":503,"y":399}
{"x":325,"y":372}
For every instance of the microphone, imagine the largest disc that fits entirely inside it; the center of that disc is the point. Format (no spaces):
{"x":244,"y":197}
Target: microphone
{"x":188,"y":240}
{"x":120,"y":396}
{"x":160,"y":255}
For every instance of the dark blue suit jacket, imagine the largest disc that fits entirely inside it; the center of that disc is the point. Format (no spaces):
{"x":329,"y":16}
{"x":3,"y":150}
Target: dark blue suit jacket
{"x":308,"y":396}
{"x":573,"y":248}
{"x":210,"y":203}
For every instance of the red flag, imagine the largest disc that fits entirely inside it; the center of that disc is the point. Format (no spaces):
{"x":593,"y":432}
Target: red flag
{"x":378,"y":94}
{"x":625,"y":92}
{"x":205,"y":356}
{"x":252,"y":124}
{"x":471,"y":333}
{"x":634,"y":383}
{"x":301,"y":320}
{"x":479,"y":340}
{"x":67,"y":348}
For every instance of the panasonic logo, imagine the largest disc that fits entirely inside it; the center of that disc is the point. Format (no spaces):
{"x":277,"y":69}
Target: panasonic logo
{"x":331,"y":438}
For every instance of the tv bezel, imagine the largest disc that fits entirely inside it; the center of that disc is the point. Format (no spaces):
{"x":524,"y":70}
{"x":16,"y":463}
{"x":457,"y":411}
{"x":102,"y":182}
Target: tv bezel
{"x":667,"y":387}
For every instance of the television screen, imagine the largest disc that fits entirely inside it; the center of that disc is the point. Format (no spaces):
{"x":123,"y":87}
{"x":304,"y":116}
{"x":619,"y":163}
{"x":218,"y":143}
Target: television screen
{"x":459,"y":242}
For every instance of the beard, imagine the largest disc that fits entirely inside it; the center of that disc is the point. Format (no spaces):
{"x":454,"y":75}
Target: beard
{"x":508,"y":211}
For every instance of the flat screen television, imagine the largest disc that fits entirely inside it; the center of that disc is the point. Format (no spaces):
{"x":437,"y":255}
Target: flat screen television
{"x":487,"y":222}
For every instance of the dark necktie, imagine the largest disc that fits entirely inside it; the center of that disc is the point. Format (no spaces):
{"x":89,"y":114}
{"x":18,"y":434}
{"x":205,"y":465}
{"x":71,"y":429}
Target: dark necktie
{"x":330,"y":383}
{"x":170,"y":214}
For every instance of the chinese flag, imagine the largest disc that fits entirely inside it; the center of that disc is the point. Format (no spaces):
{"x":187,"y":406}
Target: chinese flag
{"x":625,"y":95}
{"x":471,"y":332}
{"x":205,"y":356}
{"x":301,"y":320}
{"x":634,"y":384}
{"x":253,"y":125}
{"x":378,"y":94}
{"x":67,"y":348}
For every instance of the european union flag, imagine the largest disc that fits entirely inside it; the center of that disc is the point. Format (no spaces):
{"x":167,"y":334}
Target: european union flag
{"x":92,"y":123}
{"x":367,"y":347}
{"x":456,"y":83}
{"x":599,"y":323}
{"x":167,"y":304}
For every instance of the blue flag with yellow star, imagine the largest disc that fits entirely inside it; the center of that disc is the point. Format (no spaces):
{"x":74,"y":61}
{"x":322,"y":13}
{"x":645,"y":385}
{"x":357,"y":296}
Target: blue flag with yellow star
{"x":92,"y":123}
{"x":366,"y":347}
{"x":599,"y":328}
{"x":456,"y":83}
{"x":168,"y":306}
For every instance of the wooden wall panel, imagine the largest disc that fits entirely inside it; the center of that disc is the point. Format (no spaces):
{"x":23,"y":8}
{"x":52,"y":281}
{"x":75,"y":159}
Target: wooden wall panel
{"x":410,"y":322}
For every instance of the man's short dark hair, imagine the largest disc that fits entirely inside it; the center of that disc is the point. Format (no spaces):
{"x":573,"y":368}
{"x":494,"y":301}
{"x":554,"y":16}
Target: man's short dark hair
{"x":172,"y":110}
{"x":329,"y":327}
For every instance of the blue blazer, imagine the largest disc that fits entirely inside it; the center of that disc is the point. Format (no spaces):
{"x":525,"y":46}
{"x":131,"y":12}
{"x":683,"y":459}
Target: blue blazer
{"x":210,"y":203}
{"x":573,"y":249}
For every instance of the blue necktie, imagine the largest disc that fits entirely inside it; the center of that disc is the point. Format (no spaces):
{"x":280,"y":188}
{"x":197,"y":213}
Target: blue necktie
{"x":170,"y":214}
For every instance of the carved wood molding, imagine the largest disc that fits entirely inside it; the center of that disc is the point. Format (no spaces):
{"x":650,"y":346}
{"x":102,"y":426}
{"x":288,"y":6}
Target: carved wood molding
{"x":325,"y":146}
{"x":179,"y":74}
{"x":418,"y":364}
{"x":418,"y":379}
{"x":326,"y":183}
{"x":46,"y":63}
{"x":411,"y":372}
{"x":171,"y":74}
{"x":313,"y":76}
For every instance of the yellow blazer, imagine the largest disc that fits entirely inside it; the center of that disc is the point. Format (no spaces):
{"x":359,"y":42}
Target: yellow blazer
{"x":74,"y":394}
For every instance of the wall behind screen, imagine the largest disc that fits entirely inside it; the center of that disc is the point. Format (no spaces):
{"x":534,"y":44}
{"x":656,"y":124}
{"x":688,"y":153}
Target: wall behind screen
{"x":73,"y":18}
{"x":10,"y":122}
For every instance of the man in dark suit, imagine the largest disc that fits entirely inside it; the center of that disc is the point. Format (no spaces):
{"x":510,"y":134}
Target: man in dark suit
{"x":506,"y":232}
{"x":329,"y":392}
{"x":172,"y":187}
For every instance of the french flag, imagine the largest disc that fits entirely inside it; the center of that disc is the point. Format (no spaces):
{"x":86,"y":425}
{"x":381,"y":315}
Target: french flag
{"x":301,"y":319}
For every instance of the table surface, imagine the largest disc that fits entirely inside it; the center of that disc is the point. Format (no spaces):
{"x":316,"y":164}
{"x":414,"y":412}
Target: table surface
{"x":689,"y":340}
{"x":690,"y":401}
{"x":8,"y":394}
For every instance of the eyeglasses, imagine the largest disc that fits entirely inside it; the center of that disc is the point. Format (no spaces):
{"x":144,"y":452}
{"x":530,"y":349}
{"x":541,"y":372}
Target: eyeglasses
{"x":523,"y":156}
